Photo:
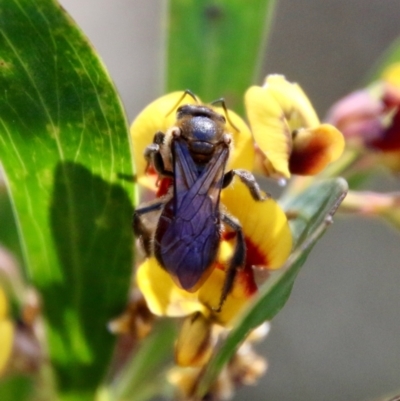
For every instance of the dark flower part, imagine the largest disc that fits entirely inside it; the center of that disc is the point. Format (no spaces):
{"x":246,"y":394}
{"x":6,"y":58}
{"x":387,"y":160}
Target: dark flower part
{"x":369,"y":117}
{"x":389,"y":140}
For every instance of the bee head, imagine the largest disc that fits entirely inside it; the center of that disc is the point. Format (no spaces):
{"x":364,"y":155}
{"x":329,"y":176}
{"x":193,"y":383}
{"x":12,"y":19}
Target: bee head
{"x":202,"y":128}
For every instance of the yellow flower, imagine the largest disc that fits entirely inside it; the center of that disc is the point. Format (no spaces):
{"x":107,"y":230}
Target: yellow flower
{"x":287,"y":130}
{"x":6,"y":332}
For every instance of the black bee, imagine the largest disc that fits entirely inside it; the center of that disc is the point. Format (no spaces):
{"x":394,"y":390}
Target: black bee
{"x":194,"y":153}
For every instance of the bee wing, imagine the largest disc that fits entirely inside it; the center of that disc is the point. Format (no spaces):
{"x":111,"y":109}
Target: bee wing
{"x":207,"y":187}
{"x":185,"y":170}
{"x":190,"y":186}
{"x":190,"y":239}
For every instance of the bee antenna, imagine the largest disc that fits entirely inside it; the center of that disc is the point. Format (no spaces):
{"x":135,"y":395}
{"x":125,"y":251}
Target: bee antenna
{"x":187,"y":92}
{"x":221,"y":101}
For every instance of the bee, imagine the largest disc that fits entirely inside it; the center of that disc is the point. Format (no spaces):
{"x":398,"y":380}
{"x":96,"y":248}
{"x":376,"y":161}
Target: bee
{"x":194,"y":155}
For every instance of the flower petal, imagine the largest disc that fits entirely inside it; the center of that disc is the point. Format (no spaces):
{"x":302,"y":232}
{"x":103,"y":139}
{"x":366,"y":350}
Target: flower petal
{"x":275,"y":111}
{"x":295,"y":104}
{"x":163,"y":296}
{"x":267,"y":232}
{"x":6,"y":341}
{"x":242,"y":155}
{"x":314,"y":148}
{"x":359,"y":115}
{"x":391,"y":75}
{"x":194,"y":344}
{"x":3,"y":304}
{"x":271,"y":131}
{"x":389,"y":139}
{"x":210,"y":295}
{"x":6,"y":332}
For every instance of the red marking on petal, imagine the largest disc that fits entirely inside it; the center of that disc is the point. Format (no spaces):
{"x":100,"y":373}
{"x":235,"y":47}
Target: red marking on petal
{"x":163,"y":186}
{"x":254,"y":257}
{"x":219,"y":266}
{"x":309,"y":159}
{"x":246,"y":279}
{"x":228,"y":235}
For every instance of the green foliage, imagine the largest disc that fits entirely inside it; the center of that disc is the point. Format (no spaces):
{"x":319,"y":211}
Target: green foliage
{"x":215,"y":47}
{"x":64,"y":147}
{"x":16,"y":388}
{"x":8,"y":228}
{"x":144,"y":375}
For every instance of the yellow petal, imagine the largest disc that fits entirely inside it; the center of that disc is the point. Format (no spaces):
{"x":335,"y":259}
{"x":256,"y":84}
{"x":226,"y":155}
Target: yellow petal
{"x":275,"y":111}
{"x":391,"y":74}
{"x":271,"y":131}
{"x":242,"y":155}
{"x":184,"y":380}
{"x":6,"y":332}
{"x":162,"y":295}
{"x":194,"y":346}
{"x":210,"y":295}
{"x":6,"y":342}
{"x":264,"y":224}
{"x":157,"y":116}
{"x":295,"y":104}
{"x":3,"y":304}
{"x":315,"y":148}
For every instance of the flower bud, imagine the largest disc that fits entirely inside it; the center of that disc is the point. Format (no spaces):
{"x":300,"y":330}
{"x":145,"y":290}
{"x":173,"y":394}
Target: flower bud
{"x":194,"y":345}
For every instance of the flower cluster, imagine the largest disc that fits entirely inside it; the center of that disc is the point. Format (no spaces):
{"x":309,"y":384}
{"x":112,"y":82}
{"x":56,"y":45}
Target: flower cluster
{"x":285,"y":137}
{"x":369,"y":118}
{"x":370,"y":121}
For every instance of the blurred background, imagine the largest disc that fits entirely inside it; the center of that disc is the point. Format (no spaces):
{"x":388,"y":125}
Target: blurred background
{"x":338,"y":337}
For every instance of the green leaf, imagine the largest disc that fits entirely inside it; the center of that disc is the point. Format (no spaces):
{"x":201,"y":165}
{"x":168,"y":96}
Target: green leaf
{"x":144,"y":375}
{"x":311,"y":207}
{"x":215,"y":47}
{"x":16,"y":388}
{"x":390,"y":56}
{"x":314,"y":209}
{"x":8,"y":228}
{"x":64,"y":146}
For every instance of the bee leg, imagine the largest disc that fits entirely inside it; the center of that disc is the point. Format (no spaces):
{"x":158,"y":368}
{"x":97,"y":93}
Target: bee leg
{"x":249,"y":180}
{"x":153,"y":156}
{"x":140,"y":229}
{"x":237,"y":260}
